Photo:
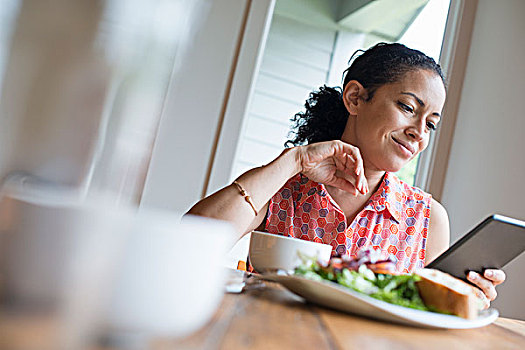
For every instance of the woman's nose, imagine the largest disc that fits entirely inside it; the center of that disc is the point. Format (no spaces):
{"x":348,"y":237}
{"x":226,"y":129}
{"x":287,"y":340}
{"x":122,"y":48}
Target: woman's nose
{"x":416,"y":132}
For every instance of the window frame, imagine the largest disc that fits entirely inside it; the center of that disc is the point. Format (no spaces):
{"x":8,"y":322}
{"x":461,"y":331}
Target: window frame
{"x":432,"y":165}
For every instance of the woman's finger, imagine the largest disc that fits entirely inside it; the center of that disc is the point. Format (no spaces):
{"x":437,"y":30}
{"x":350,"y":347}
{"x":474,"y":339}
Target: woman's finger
{"x":484,"y":284}
{"x":359,"y":171}
{"x":349,"y":161}
{"x":353,"y":156}
{"x":481,"y":296}
{"x":495,"y":276}
{"x":361,"y":182}
{"x":344,"y":185}
{"x":345,"y":173}
{"x":359,"y":168}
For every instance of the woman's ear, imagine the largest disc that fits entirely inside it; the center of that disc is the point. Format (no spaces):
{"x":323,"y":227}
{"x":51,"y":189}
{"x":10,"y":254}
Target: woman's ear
{"x":353,"y":95}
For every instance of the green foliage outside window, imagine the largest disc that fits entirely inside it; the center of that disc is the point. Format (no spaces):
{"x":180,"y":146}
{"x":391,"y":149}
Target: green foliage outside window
{"x":408,"y":172}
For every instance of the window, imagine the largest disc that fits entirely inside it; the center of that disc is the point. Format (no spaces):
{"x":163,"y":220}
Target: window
{"x":425,"y":34}
{"x":302,"y":55}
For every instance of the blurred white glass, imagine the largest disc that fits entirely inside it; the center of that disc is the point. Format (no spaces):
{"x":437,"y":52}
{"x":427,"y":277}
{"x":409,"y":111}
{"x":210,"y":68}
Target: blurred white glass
{"x":172,"y":276}
{"x":98,"y":269}
{"x":59,"y":258}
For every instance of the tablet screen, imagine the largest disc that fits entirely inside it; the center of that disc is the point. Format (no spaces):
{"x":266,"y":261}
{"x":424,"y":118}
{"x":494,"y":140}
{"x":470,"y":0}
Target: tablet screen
{"x":495,"y":242}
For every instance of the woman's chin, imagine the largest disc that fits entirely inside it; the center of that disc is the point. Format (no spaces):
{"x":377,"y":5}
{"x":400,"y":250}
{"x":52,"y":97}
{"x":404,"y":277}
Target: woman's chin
{"x":392,"y":165}
{"x":394,"y":168}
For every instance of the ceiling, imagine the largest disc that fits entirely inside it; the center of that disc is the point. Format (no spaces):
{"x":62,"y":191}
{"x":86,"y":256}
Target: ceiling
{"x":384,"y":18}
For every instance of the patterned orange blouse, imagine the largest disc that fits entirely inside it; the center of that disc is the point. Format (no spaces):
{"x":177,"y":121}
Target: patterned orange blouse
{"x":395,"y":220}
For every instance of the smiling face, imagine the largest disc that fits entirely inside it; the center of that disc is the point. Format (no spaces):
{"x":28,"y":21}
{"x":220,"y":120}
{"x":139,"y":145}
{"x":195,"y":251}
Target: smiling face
{"x":394,"y":125}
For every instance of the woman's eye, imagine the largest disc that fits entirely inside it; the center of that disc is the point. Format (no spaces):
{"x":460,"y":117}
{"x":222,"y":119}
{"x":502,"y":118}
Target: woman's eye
{"x":405,"y":107}
{"x":431,"y":126}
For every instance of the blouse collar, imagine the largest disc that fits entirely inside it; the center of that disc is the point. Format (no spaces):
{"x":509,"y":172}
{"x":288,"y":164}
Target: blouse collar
{"x":389,"y":196}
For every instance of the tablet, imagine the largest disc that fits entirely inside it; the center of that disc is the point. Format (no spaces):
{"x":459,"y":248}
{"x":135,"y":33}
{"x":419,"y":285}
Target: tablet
{"x":492,"y":244}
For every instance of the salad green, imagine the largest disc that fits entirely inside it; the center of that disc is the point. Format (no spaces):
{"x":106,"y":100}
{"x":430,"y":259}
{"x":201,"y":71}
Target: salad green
{"x":394,"y":289}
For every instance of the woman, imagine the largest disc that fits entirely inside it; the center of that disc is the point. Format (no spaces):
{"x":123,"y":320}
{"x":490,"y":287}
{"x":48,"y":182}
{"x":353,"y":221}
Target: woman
{"x":337,"y":186}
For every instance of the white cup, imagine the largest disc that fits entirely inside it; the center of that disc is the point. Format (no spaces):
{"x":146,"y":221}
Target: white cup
{"x":98,"y":267}
{"x":172,"y":276}
{"x":59,"y":253}
{"x":48,"y":241}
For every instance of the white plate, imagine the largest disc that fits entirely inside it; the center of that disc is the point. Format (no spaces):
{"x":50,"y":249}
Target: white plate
{"x":335,"y":296}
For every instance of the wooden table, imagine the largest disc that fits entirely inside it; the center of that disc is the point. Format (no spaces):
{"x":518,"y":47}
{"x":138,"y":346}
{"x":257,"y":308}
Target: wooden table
{"x":270,"y":317}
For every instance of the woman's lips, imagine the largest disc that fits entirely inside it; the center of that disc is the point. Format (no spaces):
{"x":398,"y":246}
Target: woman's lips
{"x":405,"y":147}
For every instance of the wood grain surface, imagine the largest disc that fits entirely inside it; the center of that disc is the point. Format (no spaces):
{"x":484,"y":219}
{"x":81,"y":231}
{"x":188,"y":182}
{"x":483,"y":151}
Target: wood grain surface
{"x":270,"y":317}
{"x":266,"y":316}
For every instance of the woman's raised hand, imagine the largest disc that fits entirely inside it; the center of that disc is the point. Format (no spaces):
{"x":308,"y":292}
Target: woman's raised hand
{"x":334,"y":163}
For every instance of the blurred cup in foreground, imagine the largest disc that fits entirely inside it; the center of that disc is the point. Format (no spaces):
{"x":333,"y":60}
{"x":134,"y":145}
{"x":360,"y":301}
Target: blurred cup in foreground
{"x":97,"y":269}
{"x":171,"y":279}
{"x":58,"y":257}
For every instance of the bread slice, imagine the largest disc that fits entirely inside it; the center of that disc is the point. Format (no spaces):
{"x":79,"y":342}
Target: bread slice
{"x":448,"y":294}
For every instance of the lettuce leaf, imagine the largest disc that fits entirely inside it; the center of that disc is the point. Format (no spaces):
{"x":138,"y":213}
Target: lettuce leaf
{"x":394,"y":289}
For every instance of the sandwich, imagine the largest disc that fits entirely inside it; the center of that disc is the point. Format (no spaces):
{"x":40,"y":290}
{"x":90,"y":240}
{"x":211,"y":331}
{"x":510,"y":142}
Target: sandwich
{"x":445,"y":293}
{"x":371,"y":274}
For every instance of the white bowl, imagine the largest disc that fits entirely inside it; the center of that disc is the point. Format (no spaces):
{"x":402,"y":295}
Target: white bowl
{"x":271,"y":251}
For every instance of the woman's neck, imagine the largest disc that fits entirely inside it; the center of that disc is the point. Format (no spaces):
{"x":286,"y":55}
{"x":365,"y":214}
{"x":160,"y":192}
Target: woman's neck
{"x":352,"y":205}
{"x":374,"y":179}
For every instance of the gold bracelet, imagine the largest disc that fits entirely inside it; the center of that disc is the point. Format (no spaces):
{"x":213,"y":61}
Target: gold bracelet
{"x":246,"y":196}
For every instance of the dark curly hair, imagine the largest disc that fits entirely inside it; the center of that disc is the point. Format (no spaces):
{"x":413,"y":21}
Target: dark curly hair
{"x":325,"y":114}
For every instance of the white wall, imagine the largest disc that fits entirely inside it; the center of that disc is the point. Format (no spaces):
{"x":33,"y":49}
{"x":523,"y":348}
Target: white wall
{"x":189,"y":122}
{"x":487,"y":161}
{"x":199,"y":101}
{"x":242,"y":86}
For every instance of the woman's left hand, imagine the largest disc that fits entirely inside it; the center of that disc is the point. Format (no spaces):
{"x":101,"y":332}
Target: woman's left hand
{"x":487,"y":283}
